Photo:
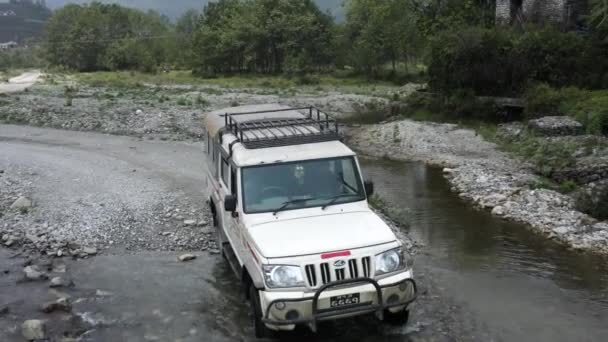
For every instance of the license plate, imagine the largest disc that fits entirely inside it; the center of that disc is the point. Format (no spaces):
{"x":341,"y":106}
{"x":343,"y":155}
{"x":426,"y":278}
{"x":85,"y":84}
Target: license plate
{"x":343,"y":300}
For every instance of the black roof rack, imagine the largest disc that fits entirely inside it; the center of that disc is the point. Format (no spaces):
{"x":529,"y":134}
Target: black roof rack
{"x":313,"y":126}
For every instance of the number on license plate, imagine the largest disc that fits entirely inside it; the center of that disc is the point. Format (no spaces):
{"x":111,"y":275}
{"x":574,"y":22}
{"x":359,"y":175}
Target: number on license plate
{"x":343,"y":300}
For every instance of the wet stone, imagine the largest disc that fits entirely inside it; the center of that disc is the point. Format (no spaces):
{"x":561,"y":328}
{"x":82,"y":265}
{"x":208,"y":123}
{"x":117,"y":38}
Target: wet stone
{"x":57,"y":282}
{"x":186,"y":257}
{"x":90,"y":250}
{"x":32,"y":273}
{"x":33,"y":330}
{"x":61,"y":304}
{"x":22,"y":203}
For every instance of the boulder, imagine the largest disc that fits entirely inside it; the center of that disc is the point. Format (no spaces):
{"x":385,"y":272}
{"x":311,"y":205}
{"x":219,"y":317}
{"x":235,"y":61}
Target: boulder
{"x":57,"y":282}
{"x":22,"y":203}
{"x":498,"y":211}
{"x":61,"y":304}
{"x":90,"y":250}
{"x":32,"y":273}
{"x":186,"y":257}
{"x":556,"y":126}
{"x":33,"y":330}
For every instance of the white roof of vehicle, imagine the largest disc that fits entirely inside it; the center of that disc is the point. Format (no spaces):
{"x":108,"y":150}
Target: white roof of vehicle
{"x":242,"y":156}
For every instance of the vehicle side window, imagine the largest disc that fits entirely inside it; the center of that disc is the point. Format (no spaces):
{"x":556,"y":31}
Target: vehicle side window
{"x":225,"y":171}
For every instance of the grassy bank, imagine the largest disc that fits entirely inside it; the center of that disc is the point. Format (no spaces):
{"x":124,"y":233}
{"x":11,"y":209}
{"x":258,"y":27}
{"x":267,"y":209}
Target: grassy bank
{"x":312,"y":83}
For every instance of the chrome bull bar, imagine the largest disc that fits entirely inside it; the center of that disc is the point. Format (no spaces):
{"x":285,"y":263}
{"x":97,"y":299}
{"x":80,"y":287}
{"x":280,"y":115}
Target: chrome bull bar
{"x":359,"y":308}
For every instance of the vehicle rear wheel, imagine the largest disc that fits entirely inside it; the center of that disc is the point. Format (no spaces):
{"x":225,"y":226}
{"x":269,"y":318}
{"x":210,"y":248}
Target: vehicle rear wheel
{"x":397,"y":318}
{"x":261,"y":330}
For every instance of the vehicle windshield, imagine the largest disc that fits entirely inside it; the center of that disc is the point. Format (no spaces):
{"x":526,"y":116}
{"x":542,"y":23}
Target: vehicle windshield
{"x":303,"y":184}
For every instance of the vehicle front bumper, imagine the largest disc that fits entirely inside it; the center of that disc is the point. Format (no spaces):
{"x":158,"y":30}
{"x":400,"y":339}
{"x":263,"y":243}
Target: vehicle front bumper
{"x":393,"y":293}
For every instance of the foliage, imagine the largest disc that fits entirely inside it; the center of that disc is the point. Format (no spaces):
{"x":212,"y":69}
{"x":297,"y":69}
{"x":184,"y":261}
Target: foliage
{"x":368,"y":113}
{"x":546,"y":156}
{"x":500,"y":62}
{"x":435,"y":16}
{"x":594,"y":202}
{"x":184,"y":34}
{"x":598,"y":17}
{"x":268,"y":36}
{"x":379,"y":32}
{"x":21,"y":58}
{"x":107,"y":37}
{"x":541,"y":100}
{"x":588,"y":107}
{"x":546,"y":183}
{"x":377,"y":202}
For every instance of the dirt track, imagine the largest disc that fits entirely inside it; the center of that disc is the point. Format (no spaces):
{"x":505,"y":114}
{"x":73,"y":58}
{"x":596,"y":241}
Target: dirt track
{"x":20,"y":83}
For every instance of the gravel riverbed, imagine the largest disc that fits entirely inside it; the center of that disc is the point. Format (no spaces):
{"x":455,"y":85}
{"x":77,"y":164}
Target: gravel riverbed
{"x":485,"y":176}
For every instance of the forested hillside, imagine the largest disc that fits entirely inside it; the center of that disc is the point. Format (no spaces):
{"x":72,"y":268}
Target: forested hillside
{"x":174,"y":9}
{"x":23,"y":20}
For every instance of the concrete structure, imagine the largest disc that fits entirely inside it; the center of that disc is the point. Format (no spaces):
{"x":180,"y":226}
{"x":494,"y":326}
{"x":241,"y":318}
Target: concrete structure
{"x":567,"y":13}
{"x":8,"y":45}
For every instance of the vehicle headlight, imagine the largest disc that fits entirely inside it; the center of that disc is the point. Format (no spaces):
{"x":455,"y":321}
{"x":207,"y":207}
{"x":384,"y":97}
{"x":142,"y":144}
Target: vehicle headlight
{"x":392,"y":261}
{"x":283,"y":276}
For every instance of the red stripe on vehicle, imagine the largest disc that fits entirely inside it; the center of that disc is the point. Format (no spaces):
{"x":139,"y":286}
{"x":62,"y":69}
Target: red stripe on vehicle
{"x":255,"y":257}
{"x":335,"y":255}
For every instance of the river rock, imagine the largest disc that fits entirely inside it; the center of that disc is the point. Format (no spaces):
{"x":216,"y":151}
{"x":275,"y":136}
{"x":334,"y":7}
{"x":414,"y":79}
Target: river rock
{"x":186,"y":257}
{"x":22,"y":203}
{"x":90,"y":250}
{"x":33,"y":329}
{"x":189,"y":222}
{"x":4,"y":310}
{"x":556,"y":126}
{"x":57,"y":282}
{"x":61,"y":304}
{"x":32,"y":273}
{"x":498,"y":211}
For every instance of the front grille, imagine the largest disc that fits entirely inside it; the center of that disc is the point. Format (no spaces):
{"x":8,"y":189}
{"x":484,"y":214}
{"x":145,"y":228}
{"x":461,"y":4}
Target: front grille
{"x":325,"y":272}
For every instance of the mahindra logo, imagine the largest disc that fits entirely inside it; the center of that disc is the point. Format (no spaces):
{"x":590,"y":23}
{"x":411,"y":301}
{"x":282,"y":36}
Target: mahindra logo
{"x":339,"y":264}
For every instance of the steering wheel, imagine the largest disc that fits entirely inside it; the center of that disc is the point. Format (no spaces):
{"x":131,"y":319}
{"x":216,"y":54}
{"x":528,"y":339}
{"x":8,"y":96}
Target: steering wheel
{"x":277,"y":190}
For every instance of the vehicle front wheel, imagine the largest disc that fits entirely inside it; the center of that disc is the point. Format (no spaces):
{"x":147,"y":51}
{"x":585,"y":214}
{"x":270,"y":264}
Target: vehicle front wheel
{"x":397,"y":318}
{"x":261,"y":330}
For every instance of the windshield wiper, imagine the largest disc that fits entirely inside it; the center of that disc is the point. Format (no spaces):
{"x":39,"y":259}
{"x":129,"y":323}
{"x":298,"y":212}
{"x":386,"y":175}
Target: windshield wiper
{"x":288,"y":203}
{"x":333,"y":199}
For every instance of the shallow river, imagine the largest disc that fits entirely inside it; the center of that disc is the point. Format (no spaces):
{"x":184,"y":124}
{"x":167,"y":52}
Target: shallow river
{"x":514,"y":284}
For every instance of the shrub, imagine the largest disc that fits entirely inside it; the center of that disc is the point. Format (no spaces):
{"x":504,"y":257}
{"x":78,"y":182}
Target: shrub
{"x":499,"y":62}
{"x":542,"y":100}
{"x":478,"y":59}
{"x":594,"y":202}
{"x":307,"y":79}
{"x":369,"y":113}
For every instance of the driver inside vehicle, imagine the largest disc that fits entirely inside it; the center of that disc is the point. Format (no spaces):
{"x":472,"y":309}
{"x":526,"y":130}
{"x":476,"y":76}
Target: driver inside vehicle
{"x":302,"y":184}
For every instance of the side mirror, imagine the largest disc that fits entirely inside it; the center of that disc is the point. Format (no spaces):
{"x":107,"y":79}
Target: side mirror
{"x":369,"y":188}
{"x":230,"y":203}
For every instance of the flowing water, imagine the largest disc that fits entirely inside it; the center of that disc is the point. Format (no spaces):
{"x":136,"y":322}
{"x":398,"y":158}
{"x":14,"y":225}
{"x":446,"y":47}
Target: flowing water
{"x":515,"y":283}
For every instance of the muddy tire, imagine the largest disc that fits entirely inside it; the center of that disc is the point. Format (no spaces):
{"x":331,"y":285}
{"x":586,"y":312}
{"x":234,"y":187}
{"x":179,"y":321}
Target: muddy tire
{"x":261,"y":331}
{"x":219,"y":240}
{"x":397,"y":318}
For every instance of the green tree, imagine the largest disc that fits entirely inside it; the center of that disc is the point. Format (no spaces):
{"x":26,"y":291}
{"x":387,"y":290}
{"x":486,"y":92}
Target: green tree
{"x":184,"y":36}
{"x":380,"y":32}
{"x":269,"y":36}
{"x":107,"y":37}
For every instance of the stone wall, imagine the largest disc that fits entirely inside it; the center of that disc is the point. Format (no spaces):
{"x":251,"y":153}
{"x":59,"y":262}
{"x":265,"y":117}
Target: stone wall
{"x":565,"y":12}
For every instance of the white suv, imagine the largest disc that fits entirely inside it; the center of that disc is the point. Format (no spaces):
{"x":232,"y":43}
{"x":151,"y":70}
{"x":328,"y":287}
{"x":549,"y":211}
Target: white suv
{"x":291,"y":212}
